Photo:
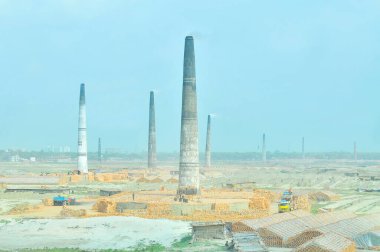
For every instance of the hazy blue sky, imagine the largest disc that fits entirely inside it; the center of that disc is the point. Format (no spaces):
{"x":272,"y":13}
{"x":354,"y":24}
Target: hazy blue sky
{"x":287,"y":68}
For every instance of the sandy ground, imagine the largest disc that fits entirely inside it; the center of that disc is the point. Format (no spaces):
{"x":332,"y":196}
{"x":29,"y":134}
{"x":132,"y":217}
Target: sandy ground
{"x":276,"y":175}
{"x":89,"y":233}
{"x":43,"y":227}
{"x":38,"y":180}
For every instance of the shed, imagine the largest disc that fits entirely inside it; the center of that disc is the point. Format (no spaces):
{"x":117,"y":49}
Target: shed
{"x":323,"y":196}
{"x":351,"y":174}
{"x":353,"y":228}
{"x":121,"y":206}
{"x":242,"y":185}
{"x":208,"y":230}
{"x":39,"y":190}
{"x":250,"y":225}
{"x":368,"y":240}
{"x":310,"y":234}
{"x":330,"y":242}
{"x":287,"y":233}
{"x":247,"y":242}
{"x":108,"y":192}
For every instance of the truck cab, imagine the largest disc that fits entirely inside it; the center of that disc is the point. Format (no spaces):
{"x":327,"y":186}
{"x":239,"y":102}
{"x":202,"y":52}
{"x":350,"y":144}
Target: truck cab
{"x":63,"y":201}
{"x":285,"y":204}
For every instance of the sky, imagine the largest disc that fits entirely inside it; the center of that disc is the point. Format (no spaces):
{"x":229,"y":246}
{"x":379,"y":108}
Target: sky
{"x":291,"y":69}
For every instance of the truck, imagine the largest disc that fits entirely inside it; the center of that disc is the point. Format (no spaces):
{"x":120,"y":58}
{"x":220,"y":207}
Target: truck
{"x":63,"y":201}
{"x":286,"y":202}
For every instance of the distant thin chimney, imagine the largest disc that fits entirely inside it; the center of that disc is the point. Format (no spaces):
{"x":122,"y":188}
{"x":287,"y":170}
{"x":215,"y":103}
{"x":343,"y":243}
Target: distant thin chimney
{"x":303,"y":147}
{"x":99,"y":150}
{"x":82,"y":132}
{"x":264,"y":149}
{"x":152,"y":155}
{"x":208,"y":142}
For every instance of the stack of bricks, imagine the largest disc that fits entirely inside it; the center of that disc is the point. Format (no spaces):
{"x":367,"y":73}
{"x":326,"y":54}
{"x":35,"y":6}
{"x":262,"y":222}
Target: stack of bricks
{"x":47,"y":202}
{"x":67,"y":212}
{"x":105,"y":206}
{"x":302,"y":202}
{"x":220,"y":207}
{"x":272,"y":196}
{"x":159,"y":209}
{"x":258,"y":202}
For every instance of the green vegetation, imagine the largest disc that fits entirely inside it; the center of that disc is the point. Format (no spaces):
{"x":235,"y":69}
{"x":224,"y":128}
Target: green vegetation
{"x":181,"y":245}
{"x":184,"y":242}
{"x":4,"y":221}
{"x":50,"y":250}
{"x":142,"y":247}
{"x":316,"y":206}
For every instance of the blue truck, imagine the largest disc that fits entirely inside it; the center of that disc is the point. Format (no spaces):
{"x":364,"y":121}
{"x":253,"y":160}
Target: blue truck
{"x":63,"y":201}
{"x":286,"y":202}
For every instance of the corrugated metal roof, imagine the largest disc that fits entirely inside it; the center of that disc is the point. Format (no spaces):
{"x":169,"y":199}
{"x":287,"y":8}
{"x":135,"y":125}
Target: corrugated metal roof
{"x":293,"y":227}
{"x":368,"y":240}
{"x":255,"y":224}
{"x":248,"y":242}
{"x":205,"y":224}
{"x":352,"y":227}
{"x":330,"y":242}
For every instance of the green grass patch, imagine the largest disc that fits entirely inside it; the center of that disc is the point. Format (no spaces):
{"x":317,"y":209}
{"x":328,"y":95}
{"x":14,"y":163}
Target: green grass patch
{"x":4,"y":221}
{"x":316,"y":206}
{"x":50,"y":250}
{"x":142,"y":247}
{"x":184,"y":242}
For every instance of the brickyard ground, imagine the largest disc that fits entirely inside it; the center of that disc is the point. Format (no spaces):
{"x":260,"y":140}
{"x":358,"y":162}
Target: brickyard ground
{"x":144,"y":213}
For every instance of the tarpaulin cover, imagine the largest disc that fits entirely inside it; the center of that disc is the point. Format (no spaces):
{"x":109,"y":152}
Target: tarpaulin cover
{"x":368,"y":240}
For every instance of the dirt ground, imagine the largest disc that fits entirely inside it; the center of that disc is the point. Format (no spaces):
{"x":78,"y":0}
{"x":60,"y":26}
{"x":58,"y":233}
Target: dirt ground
{"x":158,"y":189}
{"x":89,"y":233}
